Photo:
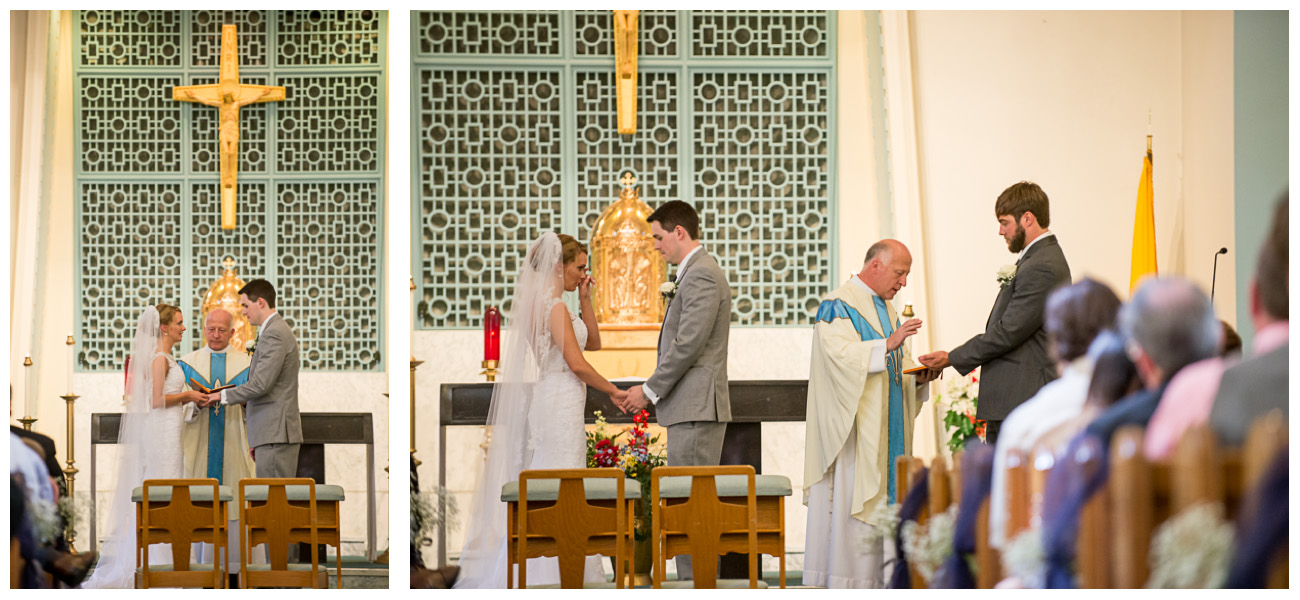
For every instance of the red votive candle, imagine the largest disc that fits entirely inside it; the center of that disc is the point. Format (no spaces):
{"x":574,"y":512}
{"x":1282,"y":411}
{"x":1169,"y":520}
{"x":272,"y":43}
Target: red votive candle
{"x":127,"y":377}
{"x":492,"y":334}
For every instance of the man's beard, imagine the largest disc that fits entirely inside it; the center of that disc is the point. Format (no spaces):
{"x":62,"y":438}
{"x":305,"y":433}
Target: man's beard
{"x":1017,"y":242}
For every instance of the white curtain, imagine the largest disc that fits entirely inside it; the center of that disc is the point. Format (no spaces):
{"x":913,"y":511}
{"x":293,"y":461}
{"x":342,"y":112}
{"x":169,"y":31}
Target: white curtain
{"x":34,"y":39}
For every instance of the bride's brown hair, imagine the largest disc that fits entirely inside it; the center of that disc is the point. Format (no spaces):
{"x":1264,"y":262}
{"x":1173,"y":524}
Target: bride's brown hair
{"x":570,"y":248}
{"x":166,"y":313}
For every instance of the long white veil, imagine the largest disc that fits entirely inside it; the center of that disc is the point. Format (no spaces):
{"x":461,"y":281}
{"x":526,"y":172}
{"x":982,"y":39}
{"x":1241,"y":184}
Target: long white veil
{"x":116,"y":567}
{"x":483,"y":559}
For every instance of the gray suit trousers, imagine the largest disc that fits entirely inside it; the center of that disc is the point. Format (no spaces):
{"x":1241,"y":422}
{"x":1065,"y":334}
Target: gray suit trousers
{"x":694,"y":444}
{"x":276,"y":460}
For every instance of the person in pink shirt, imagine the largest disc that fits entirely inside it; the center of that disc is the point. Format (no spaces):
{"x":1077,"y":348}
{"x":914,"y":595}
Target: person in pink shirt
{"x":1191,"y":394}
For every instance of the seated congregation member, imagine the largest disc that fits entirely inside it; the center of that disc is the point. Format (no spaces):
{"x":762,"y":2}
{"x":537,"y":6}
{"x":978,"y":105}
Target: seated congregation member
{"x":1191,"y":396}
{"x":1114,"y":377}
{"x":1258,"y":384}
{"x":1074,"y":316}
{"x":1168,"y":325}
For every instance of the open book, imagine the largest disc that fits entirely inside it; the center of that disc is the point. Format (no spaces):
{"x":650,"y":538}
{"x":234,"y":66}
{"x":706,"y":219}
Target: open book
{"x":200,"y":387}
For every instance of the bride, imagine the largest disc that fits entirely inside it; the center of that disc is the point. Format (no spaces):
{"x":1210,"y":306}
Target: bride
{"x":536,"y":417}
{"x":149,"y":440}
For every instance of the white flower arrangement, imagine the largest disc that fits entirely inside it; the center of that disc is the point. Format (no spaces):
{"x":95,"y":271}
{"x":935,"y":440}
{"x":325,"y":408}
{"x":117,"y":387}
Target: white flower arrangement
{"x":1023,"y":558}
{"x":250,"y":347}
{"x":1006,"y":274}
{"x":668,"y":290}
{"x":429,"y":510}
{"x":929,"y":546}
{"x":885,"y":518}
{"x":1192,"y":549}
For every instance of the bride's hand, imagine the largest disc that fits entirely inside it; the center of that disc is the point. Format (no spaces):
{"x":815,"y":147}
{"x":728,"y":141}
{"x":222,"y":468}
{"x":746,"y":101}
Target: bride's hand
{"x":584,"y":286}
{"x":619,"y":398}
{"x":194,"y":396}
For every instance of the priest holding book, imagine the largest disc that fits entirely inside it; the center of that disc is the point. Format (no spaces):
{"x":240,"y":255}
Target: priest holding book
{"x":863,"y":398}
{"x":214,"y":438}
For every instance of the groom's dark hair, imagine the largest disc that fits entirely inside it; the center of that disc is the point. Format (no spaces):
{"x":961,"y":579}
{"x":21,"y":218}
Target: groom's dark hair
{"x":675,"y":212}
{"x":259,"y":288}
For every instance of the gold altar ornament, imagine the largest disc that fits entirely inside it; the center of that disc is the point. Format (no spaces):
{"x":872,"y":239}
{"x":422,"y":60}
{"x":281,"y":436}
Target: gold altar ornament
{"x":626,"y":267}
{"x":228,"y":95}
{"x":625,"y":31}
{"x":224,"y":293}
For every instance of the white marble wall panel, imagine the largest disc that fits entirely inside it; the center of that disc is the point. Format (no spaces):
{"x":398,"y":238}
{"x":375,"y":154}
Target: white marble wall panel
{"x":317,"y":392}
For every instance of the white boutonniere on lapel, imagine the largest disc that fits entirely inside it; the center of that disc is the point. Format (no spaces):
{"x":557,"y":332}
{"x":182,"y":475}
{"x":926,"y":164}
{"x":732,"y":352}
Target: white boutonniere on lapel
{"x":1006,"y":274}
{"x":250,"y":347}
{"x":668,"y":290}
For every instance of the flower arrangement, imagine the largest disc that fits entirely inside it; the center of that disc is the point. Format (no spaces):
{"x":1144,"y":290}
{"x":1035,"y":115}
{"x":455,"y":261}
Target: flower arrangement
{"x":1006,"y":274}
{"x":1192,"y":549}
{"x":962,"y":400}
{"x":885,"y":519}
{"x":929,"y":546}
{"x":431,"y":509}
{"x":640,"y":455}
{"x":1023,"y":558}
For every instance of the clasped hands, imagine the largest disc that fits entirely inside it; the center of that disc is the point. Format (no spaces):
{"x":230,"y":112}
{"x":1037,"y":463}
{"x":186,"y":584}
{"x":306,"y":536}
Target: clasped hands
{"x":630,"y":400}
{"x":209,"y":400}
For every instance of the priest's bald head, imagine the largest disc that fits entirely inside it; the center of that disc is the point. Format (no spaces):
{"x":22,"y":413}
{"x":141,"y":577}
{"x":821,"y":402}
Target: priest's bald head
{"x":218,"y":329}
{"x":886,"y":268}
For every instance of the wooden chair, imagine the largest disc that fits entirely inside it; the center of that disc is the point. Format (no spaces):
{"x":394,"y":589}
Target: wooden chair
{"x":181,"y":512}
{"x":570,"y":514}
{"x":1266,"y":438}
{"x":1017,"y":494}
{"x":703,"y":525}
{"x":278,"y":523}
{"x":905,"y":469}
{"x":329,"y":529}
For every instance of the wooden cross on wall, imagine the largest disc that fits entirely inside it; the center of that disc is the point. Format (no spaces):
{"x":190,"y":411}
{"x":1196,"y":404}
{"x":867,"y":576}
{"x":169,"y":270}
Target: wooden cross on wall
{"x":625,"y":26}
{"x":228,"y":95}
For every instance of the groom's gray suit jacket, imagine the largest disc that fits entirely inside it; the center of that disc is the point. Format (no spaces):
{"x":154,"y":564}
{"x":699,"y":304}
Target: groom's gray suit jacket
{"x":691,"y":375}
{"x":270,"y":397}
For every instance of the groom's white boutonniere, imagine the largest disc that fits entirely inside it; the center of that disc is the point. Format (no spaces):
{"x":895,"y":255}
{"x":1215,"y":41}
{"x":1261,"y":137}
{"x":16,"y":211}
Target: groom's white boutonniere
{"x":668,"y":290}
{"x":1006,"y":274}
{"x":250,"y":346}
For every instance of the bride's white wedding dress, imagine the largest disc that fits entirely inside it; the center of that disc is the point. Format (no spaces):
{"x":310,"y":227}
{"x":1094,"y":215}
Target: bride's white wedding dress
{"x":536,"y":420}
{"x":556,"y":432}
{"x":149,"y":447}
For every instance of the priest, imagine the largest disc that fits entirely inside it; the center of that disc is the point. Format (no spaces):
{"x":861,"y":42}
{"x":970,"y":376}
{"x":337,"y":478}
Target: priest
{"x":861,"y":408}
{"x":214,"y":439}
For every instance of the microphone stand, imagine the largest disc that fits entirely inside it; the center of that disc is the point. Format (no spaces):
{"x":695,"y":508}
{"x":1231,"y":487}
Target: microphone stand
{"x":1214,"y":277}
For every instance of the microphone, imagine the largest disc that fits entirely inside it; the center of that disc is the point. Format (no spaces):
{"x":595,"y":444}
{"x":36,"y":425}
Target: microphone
{"x":1216,"y":273}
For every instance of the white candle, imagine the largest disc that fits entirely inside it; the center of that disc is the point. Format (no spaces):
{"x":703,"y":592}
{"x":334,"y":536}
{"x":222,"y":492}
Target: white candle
{"x":30,"y":389}
{"x":72,"y":359}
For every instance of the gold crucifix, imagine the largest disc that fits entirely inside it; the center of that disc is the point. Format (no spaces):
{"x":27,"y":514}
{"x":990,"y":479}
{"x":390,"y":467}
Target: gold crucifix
{"x":228,"y":95}
{"x":625,"y":26}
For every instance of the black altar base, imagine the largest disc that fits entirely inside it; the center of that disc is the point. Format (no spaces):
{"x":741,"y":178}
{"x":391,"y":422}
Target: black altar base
{"x":752,"y":404}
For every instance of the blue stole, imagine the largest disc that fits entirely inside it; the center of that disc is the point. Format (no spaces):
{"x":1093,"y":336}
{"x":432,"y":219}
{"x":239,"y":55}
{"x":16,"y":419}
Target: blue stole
{"x":216,"y":420}
{"x":838,"y":309}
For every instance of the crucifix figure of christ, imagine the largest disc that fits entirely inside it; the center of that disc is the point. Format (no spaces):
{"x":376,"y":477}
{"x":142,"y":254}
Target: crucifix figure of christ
{"x":228,"y":95}
{"x":625,"y":26}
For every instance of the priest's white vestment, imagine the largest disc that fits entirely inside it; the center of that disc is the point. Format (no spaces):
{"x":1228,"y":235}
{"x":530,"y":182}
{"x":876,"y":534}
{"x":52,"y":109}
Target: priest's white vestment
{"x":846,"y":460}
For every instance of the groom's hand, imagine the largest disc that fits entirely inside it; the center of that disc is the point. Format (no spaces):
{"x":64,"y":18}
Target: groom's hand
{"x":934,"y":360}
{"x":636,"y":400}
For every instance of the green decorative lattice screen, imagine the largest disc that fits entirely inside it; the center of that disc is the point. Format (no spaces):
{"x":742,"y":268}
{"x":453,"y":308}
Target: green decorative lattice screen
{"x":311,"y":183}
{"x":513,"y":133}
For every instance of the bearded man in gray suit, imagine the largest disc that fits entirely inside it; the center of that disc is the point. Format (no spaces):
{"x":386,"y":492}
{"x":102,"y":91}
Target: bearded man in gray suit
{"x":689,"y":384}
{"x":270,"y":397}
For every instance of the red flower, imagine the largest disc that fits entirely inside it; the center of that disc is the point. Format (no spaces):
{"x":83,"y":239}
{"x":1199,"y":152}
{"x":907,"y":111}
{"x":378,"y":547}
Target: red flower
{"x":641,"y":417}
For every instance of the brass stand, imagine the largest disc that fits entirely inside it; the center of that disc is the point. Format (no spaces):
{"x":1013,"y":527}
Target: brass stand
{"x":70,"y":472}
{"x":414,"y":364}
{"x":490,"y":369}
{"x":27,"y":422}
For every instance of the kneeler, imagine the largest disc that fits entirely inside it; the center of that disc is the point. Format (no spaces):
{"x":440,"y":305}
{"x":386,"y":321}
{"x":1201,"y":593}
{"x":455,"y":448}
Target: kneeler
{"x":181,"y":512}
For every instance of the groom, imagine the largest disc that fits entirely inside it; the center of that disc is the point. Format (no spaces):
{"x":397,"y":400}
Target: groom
{"x":270,"y":396}
{"x":689,"y":384}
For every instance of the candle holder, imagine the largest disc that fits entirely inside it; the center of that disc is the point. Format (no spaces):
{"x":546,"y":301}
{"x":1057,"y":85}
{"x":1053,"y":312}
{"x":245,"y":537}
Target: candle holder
{"x":70,"y":472}
{"x":490,"y":369}
{"x":414,"y":364}
{"x":27,"y":422}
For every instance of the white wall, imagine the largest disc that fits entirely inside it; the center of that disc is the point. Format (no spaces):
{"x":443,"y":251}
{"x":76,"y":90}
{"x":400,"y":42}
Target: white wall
{"x":1062,"y":99}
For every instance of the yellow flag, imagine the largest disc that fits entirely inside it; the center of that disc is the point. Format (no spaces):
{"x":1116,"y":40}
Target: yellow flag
{"x":1144,"y":227}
